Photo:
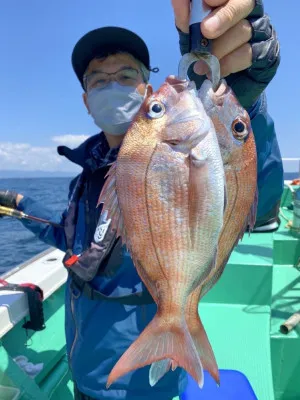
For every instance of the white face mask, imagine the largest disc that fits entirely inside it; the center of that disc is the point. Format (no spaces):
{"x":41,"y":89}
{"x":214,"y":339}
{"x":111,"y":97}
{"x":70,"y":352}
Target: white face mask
{"x":114,"y":107}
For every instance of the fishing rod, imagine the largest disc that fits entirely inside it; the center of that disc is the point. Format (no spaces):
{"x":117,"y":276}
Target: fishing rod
{"x":11,"y":212}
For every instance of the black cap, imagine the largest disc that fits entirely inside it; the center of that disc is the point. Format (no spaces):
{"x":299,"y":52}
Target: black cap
{"x":103,"y":41}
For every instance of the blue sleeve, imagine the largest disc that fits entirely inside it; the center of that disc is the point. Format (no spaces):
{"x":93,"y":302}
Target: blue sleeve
{"x":270,"y":176}
{"x":49,"y":234}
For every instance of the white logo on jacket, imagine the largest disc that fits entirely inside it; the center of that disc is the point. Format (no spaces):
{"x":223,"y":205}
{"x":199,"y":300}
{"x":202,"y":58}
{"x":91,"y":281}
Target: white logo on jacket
{"x":102,"y":227}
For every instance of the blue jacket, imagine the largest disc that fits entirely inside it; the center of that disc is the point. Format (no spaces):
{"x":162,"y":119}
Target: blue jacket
{"x":98,"y":332}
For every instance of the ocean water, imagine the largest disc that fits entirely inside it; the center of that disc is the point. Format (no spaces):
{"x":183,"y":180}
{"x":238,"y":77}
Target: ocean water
{"x":17,"y":244}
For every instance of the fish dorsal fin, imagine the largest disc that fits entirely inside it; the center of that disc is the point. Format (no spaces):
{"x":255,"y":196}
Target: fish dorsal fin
{"x":197,"y":164}
{"x":109,"y":198}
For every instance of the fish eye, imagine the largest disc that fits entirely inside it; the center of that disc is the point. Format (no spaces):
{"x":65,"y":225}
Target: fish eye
{"x":239,"y":129}
{"x":156,"y":109}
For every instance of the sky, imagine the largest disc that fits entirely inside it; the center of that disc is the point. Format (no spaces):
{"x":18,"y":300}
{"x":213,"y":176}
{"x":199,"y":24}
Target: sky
{"x":41,"y":100}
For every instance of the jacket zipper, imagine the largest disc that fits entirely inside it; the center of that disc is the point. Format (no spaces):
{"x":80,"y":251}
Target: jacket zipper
{"x":87,"y":216}
{"x":73,"y":297}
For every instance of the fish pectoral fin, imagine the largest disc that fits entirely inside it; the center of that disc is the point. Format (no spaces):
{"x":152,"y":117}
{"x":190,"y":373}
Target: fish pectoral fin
{"x":214,"y":260}
{"x":253,"y":210}
{"x":160,"y":340}
{"x":250,"y":219}
{"x":198,"y":179}
{"x":108,"y":197}
{"x":225,"y":195}
{"x":196,"y":160}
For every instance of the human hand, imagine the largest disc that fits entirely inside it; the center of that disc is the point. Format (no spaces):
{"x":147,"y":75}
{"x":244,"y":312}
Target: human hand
{"x":243,"y":40}
{"x":9,"y":199}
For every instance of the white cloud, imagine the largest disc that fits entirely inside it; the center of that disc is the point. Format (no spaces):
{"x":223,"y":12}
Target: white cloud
{"x":26,"y":157}
{"x":69,"y":140}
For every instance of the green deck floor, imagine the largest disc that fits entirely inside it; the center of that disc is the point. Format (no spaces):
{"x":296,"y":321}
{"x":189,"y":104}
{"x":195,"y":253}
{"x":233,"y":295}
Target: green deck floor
{"x":239,"y":336}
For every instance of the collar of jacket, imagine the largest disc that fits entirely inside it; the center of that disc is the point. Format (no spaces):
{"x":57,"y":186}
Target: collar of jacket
{"x":92,"y":154}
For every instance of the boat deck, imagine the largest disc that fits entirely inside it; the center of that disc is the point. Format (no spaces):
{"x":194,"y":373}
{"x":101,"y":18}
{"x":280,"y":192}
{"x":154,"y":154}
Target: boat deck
{"x":259,"y":290}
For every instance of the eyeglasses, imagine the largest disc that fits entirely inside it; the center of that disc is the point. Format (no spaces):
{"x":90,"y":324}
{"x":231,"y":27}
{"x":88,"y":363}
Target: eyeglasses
{"x":97,"y":79}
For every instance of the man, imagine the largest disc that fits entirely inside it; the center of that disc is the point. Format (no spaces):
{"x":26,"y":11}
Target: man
{"x":103,"y":313}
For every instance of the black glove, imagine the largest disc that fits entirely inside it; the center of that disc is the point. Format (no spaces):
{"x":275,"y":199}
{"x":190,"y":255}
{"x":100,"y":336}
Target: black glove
{"x":8,"y":198}
{"x":250,"y":83}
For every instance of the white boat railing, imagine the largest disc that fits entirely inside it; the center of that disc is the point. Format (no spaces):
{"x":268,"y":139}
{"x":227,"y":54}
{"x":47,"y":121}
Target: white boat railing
{"x":296,"y":160}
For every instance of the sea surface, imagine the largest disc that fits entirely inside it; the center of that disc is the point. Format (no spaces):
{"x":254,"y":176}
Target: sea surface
{"x":17,"y":244}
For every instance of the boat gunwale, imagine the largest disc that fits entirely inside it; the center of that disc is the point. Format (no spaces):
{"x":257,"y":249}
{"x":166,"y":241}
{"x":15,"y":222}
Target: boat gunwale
{"x":26,"y":263}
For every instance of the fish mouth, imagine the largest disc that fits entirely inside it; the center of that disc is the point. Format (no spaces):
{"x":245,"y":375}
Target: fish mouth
{"x":212,"y":98}
{"x":185,"y":116}
{"x":180,"y":85}
{"x":180,"y":113}
{"x":196,"y":133}
{"x":188,"y":111}
{"x":187,"y":123}
{"x":185,"y":145}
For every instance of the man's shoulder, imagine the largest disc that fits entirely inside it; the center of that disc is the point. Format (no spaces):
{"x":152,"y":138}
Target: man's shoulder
{"x":90,"y":142}
{"x":84,"y":155}
{"x":80,"y":154}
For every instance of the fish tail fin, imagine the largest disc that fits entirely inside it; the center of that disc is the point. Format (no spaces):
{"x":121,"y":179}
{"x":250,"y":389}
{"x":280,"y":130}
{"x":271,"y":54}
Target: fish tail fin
{"x":203,"y":347}
{"x":160,"y":368}
{"x":161,"y":339}
{"x":174,"y":365}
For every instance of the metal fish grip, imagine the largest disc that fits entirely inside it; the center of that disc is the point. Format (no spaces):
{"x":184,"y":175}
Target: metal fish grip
{"x":200,"y":46}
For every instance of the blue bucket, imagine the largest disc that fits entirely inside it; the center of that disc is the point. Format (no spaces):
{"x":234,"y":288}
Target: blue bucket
{"x":233,"y":386}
